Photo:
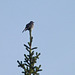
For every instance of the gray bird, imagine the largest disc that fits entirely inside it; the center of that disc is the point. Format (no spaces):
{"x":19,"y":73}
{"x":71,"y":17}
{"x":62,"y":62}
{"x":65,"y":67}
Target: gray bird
{"x":29,"y":26}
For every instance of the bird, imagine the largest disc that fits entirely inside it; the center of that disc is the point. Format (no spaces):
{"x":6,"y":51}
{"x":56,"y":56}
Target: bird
{"x":29,"y":26}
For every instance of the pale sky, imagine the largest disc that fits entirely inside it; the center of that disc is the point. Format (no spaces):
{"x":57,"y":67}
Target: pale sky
{"x":54,"y":35}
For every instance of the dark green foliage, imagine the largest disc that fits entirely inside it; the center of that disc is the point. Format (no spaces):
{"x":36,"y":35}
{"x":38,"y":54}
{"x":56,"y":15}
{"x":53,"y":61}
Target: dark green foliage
{"x":28,"y":65}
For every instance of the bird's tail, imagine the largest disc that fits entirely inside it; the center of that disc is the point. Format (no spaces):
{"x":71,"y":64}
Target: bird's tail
{"x":23,"y":30}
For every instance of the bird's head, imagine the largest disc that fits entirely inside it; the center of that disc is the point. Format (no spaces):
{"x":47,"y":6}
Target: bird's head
{"x":31,"y":22}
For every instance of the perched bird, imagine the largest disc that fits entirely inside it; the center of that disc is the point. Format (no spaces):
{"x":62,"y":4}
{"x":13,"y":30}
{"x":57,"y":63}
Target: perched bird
{"x":29,"y":26}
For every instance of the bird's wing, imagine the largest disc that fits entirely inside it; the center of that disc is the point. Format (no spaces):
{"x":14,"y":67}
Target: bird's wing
{"x":27,"y":26}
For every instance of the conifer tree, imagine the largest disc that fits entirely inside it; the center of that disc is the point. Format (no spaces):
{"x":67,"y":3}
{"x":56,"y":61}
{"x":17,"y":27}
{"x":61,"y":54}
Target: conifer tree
{"x":29,"y":64}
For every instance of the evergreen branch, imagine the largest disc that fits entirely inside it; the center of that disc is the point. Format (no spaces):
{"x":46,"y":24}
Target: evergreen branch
{"x":34,"y":48}
{"x":21,"y":65}
{"x":26,"y":46}
{"x":27,"y":49}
